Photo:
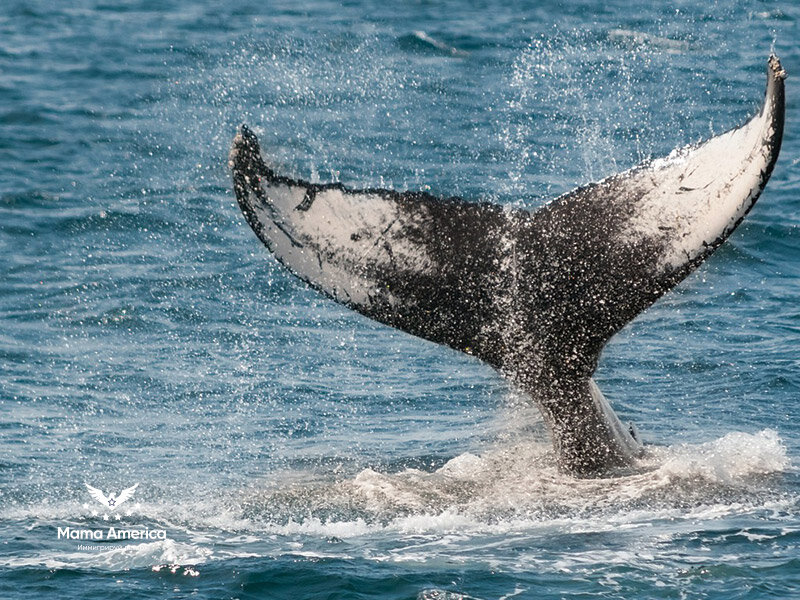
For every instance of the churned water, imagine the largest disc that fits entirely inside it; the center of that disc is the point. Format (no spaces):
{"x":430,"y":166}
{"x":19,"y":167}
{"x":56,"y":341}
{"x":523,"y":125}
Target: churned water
{"x":285,"y":447}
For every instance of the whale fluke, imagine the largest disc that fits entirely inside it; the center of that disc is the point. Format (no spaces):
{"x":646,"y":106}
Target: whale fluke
{"x":534,"y":294}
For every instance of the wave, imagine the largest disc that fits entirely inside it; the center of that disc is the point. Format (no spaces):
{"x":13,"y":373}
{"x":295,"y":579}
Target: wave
{"x":640,"y":38}
{"x":420,"y":40}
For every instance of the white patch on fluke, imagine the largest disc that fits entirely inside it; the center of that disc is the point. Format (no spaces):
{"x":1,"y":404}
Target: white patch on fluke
{"x":698,"y":194}
{"x":338,"y":239}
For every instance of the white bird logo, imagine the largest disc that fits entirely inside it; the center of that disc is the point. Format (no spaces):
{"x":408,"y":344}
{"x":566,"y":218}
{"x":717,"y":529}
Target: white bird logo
{"x":111,"y":501}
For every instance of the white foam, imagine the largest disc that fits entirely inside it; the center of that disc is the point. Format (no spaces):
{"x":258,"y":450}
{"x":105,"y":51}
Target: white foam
{"x":477,"y":504}
{"x":315,"y":526}
{"x":730,"y":459}
{"x":128,"y":556}
{"x":513,"y":488}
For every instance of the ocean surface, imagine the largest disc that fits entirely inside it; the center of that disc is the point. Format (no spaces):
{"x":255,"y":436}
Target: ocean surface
{"x":282,"y":446}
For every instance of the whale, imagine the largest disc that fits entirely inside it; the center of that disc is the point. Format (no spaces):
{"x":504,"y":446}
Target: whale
{"x":535,"y":294}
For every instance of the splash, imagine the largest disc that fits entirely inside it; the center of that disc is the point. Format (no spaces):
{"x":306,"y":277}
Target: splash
{"x":631,"y":97}
{"x":491,"y":501}
{"x":606,"y":81}
{"x":730,"y":460}
{"x":516,"y":485}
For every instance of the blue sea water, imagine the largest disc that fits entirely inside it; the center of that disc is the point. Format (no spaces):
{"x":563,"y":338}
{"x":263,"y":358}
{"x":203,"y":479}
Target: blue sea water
{"x":285,"y":447}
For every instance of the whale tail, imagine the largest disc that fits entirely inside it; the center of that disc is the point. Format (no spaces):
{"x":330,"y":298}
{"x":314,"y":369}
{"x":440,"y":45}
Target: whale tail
{"x":534,"y":294}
